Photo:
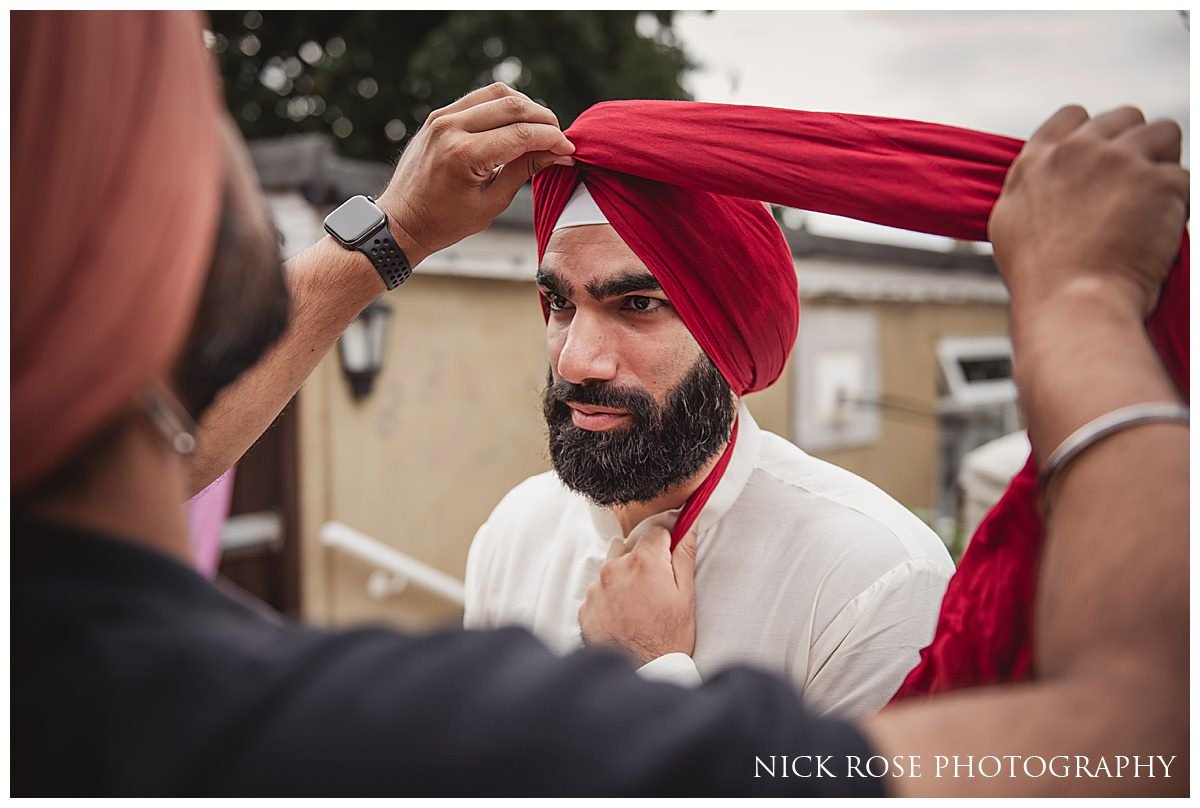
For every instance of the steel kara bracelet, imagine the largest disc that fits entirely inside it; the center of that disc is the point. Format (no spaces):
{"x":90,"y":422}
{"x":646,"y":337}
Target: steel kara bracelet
{"x":1099,"y":428}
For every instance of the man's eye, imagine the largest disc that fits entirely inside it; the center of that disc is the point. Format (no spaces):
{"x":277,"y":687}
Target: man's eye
{"x":639,"y":303}
{"x":556,"y":302}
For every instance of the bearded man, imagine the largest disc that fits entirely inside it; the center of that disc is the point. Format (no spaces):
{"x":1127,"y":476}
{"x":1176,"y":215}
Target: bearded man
{"x":800,"y":566}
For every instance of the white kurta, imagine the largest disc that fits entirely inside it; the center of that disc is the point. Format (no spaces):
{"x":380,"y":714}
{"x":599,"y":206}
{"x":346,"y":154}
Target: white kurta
{"x":802,"y":568}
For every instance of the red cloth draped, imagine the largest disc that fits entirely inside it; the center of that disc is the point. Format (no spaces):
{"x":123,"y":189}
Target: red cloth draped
{"x":669,"y":176}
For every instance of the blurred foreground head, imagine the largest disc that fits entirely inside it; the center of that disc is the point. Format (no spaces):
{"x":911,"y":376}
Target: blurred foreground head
{"x":142,"y":259}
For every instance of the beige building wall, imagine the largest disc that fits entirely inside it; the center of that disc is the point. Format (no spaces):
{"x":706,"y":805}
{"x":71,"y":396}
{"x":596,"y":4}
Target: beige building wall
{"x":454,"y":423}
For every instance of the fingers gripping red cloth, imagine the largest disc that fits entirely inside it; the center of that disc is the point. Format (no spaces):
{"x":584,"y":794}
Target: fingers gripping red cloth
{"x":680,"y":182}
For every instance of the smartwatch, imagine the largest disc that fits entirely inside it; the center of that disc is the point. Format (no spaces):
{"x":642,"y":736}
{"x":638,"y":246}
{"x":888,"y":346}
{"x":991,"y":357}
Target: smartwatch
{"x":359,"y":224}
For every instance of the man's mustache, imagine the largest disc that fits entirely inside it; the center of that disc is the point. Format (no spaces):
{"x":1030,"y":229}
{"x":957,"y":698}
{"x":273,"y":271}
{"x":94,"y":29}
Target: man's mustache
{"x":636,"y":401}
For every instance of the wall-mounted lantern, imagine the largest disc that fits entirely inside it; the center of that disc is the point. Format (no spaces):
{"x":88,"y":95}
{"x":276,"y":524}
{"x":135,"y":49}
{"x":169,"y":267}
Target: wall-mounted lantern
{"x":360,"y":348}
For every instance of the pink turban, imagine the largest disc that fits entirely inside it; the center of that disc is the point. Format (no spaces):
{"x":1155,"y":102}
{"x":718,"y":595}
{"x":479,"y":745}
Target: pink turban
{"x":117,"y":175}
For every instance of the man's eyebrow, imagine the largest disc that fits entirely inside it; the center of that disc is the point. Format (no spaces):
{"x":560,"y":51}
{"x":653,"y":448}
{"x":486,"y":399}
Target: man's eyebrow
{"x":553,"y":283}
{"x":623,"y":285}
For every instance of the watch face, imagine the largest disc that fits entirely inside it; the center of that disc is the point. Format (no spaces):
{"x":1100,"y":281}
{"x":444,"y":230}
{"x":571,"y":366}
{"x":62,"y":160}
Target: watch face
{"x":357,"y":217}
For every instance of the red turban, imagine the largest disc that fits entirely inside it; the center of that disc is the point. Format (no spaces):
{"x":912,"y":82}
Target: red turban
{"x":117,"y":179}
{"x":653,"y":166}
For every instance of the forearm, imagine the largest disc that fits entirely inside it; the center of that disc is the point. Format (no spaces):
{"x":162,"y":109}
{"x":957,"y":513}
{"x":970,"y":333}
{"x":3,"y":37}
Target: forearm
{"x":329,"y":286}
{"x":1080,"y":354}
{"x":461,"y":169}
{"x":1125,"y":492}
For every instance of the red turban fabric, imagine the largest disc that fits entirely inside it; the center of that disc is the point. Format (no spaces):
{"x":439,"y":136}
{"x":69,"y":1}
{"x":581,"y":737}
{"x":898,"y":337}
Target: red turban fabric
{"x":117,"y":179}
{"x":654,"y":165}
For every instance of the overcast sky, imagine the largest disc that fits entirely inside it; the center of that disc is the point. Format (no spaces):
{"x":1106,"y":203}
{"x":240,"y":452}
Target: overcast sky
{"x":1002,"y":72}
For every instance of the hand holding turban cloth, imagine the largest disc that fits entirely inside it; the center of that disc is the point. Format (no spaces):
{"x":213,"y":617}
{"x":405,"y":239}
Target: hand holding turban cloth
{"x":675,"y":180}
{"x":117,"y":179}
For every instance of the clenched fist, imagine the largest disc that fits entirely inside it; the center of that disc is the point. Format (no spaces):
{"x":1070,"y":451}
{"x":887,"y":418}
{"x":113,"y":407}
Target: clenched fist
{"x":1094,"y":202}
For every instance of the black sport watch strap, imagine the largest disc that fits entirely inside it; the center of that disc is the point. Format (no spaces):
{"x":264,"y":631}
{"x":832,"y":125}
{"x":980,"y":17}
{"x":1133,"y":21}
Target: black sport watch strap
{"x":390,"y":261}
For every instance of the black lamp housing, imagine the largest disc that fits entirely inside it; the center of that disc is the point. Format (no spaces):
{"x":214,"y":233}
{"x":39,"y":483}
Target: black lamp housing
{"x":361,"y":347}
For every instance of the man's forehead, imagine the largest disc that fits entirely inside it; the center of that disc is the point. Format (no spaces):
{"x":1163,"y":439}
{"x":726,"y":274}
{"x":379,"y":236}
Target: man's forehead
{"x":598,"y":265}
{"x":590,"y":252}
{"x":571,"y":240}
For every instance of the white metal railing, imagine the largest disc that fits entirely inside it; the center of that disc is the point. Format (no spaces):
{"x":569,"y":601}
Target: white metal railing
{"x":262,"y":530}
{"x":394,"y":569}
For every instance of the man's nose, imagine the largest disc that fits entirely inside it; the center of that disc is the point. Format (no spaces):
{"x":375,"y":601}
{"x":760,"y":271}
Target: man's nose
{"x":588,"y":353}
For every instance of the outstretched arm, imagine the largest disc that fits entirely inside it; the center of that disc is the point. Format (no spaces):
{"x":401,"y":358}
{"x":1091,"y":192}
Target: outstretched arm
{"x":445,"y":188}
{"x":1085,"y":231}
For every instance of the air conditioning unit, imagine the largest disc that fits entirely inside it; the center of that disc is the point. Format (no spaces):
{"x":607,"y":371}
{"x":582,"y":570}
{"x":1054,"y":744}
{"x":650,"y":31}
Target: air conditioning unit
{"x":978,"y":404}
{"x":977,"y":371}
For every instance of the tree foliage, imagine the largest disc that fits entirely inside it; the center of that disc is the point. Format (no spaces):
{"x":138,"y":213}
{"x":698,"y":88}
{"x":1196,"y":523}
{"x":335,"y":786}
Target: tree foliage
{"x":371,"y":77}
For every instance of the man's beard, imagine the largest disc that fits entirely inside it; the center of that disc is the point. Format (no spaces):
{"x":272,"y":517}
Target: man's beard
{"x":662,"y":447}
{"x":242,"y":312}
